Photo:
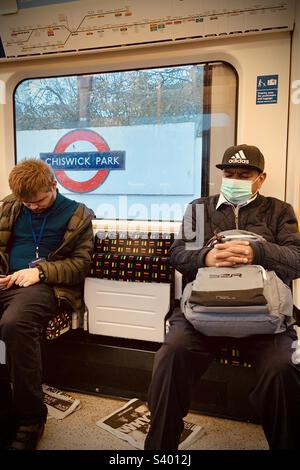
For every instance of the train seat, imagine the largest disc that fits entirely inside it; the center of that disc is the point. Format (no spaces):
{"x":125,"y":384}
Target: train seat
{"x":131,"y":288}
{"x":59,"y":324}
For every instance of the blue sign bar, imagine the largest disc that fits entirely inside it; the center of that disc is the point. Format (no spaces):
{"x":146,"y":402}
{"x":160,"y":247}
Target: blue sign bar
{"x":39,"y":3}
{"x":266,"y":89}
{"x":113,"y":160}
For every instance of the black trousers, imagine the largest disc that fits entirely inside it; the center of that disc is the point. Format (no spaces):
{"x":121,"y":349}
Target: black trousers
{"x":24,"y":312}
{"x":186,"y":354}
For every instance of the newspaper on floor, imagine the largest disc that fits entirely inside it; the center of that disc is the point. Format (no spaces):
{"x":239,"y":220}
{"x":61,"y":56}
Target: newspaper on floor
{"x":131,"y":423}
{"x":59,"y":404}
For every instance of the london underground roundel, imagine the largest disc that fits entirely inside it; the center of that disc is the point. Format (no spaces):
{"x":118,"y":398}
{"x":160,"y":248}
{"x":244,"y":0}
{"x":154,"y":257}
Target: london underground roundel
{"x":100,"y":144}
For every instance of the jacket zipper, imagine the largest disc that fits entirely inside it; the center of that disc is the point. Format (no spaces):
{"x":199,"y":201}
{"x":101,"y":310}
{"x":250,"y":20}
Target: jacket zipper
{"x":236,"y":216}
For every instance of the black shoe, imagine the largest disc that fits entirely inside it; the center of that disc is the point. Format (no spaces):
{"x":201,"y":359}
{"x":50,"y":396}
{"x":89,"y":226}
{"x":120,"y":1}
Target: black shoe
{"x":27,"y":436}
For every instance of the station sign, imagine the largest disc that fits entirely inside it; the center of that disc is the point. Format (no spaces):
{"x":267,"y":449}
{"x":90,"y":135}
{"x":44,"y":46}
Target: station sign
{"x":103,"y":160}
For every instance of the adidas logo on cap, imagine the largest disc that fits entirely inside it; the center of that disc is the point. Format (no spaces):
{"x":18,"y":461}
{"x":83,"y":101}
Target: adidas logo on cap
{"x":243,"y":155}
{"x":239,"y":158}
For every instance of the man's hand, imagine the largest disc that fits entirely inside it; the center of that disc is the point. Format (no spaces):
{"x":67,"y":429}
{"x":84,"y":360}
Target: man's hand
{"x":24,"y":277}
{"x":4,"y":281}
{"x":230,"y":254}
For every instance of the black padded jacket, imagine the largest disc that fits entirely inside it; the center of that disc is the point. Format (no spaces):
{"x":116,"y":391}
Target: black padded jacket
{"x":272,"y":218}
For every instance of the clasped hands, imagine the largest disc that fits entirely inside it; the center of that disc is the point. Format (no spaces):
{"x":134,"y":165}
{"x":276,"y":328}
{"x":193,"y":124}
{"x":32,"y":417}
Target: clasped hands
{"x":23,"y":278}
{"x":230,"y":253}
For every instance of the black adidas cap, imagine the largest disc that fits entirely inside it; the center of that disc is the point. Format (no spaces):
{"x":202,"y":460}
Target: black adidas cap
{"x":243,"y":156}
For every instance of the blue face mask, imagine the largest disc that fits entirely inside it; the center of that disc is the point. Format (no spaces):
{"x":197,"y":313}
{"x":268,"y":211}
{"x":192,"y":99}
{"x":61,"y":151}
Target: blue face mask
{"x":236,"y":191}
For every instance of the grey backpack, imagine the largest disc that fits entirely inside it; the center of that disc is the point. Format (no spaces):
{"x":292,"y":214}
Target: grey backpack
{"x":237,"y":301}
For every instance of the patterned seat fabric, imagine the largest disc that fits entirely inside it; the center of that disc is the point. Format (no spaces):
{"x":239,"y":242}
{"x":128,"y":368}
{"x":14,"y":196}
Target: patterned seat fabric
{"x":134,"y":256}
{"x":59,"y":324}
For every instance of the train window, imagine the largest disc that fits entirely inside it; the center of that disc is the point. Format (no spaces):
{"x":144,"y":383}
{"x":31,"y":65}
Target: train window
{"x":136,"y":144}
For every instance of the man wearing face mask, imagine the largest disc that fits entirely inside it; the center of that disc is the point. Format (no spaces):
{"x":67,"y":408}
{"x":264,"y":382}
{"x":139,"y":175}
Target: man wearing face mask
{"x":186,"y":353}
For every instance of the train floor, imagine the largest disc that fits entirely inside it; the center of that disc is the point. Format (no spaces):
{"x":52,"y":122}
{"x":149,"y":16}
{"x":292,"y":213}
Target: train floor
{"x":79,"y":431}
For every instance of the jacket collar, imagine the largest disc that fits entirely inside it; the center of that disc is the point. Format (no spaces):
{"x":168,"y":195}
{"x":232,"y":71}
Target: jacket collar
{"x":223,"y":200}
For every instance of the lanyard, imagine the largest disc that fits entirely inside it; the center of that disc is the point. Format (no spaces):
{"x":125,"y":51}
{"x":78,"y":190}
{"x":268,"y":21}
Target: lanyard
{"x":37,"y":239}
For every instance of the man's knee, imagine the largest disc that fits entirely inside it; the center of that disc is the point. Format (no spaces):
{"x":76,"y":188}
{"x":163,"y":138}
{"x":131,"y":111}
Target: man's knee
{"x":175,"y":353}
{"x":280,"y":365}
{"x":12,"y":328}
{"x":9,"y":327}
{"x":176,"y":344}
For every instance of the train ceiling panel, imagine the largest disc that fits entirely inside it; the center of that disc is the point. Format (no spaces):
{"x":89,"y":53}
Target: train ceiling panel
{"x":38,"y":28}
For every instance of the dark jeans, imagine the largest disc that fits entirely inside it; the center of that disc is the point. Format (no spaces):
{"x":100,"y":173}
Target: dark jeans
{"x":184,"y":357}
{"x":24,"y":312}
